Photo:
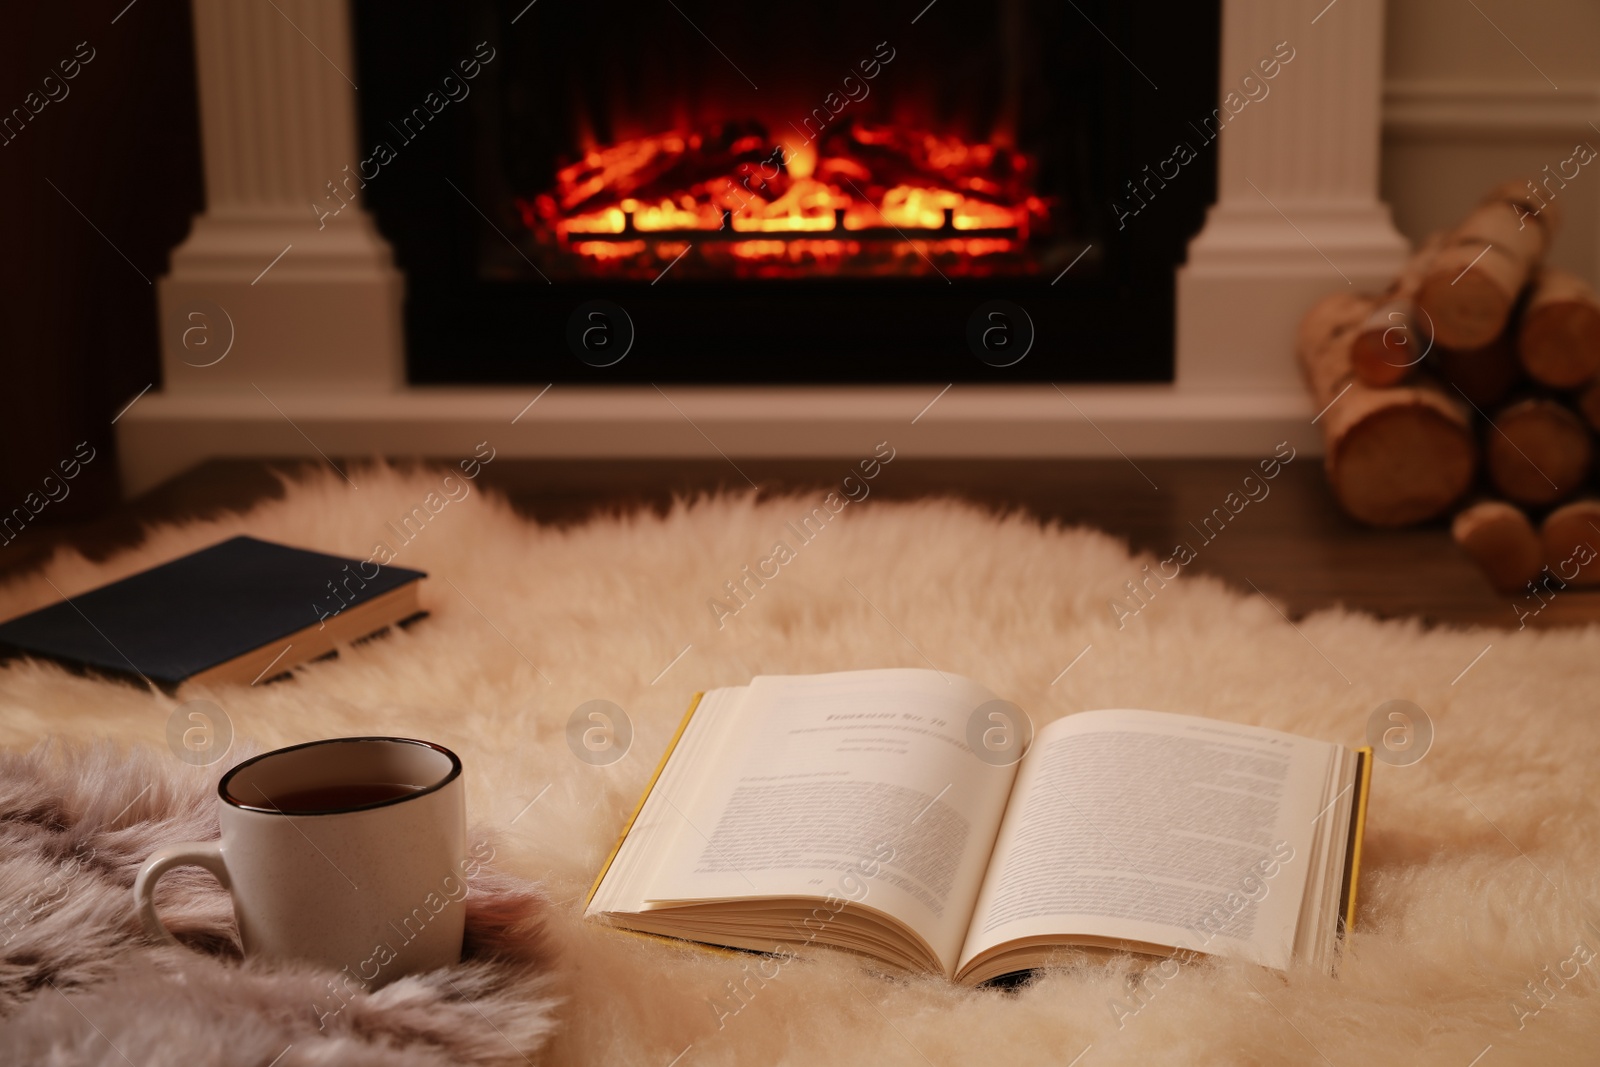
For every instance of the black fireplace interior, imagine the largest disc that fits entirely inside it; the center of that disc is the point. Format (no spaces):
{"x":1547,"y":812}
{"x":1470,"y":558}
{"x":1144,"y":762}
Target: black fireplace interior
{"x":822,"y":192}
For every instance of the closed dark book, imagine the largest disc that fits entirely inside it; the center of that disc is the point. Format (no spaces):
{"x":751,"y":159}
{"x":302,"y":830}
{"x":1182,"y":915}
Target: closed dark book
{"x":228,"y":613}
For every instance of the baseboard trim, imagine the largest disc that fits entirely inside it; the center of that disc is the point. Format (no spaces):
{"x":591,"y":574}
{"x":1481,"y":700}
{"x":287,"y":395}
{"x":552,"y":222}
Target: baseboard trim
{"x":1482,"y":110}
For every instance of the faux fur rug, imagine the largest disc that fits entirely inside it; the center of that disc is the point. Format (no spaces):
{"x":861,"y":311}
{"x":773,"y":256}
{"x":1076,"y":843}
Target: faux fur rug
{"x":1476,"y":933}
{"x":80,"y":984}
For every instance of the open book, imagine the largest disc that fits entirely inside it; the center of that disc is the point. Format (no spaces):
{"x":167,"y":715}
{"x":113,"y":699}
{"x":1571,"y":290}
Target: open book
{"x":851,"y":810}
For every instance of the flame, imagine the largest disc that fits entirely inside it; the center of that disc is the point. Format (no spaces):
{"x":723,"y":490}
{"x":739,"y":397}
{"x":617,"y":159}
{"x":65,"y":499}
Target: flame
{"x":808,"y":205}
{"x":789,"y":188}
{"x":801,"y":158}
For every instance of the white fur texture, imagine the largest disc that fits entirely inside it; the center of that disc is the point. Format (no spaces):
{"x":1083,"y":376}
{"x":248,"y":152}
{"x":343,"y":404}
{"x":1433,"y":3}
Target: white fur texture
{"x":1482,"y":861}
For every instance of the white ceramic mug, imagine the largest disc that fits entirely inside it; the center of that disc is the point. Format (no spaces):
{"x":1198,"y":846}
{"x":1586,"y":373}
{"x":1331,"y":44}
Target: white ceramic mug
{"x":373,"y":886}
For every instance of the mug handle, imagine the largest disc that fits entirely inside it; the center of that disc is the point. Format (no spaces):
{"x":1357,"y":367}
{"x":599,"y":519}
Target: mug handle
{"x":207,"y":854}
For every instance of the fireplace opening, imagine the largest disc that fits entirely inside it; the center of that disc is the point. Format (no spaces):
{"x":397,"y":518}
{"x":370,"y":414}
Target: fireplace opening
{"x":859,"y":200}
{"x":811,"y":192}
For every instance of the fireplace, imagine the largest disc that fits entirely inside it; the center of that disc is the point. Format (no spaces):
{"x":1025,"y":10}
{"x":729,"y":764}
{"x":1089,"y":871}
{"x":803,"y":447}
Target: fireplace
{"x":829,"y":192}
{"x":391,"y":302}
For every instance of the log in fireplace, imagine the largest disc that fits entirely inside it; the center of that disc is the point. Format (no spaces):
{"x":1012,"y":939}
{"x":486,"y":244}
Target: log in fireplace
{"x":822,"y":192}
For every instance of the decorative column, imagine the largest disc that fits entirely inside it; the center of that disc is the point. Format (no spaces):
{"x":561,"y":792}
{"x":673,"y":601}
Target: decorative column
{"x":283,"y":281}
{"x":1297,"y":212}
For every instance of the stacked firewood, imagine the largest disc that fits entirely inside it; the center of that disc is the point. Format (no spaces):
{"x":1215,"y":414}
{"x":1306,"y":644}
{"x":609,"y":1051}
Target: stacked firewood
{"x":1478,"y":350}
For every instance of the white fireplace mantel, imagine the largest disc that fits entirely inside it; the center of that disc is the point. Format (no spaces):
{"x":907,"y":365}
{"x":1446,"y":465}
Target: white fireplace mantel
{"x":281,"y":329}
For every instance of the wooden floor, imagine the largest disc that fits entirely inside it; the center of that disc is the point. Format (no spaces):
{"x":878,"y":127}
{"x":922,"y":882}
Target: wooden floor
{"x":1293,"y":545}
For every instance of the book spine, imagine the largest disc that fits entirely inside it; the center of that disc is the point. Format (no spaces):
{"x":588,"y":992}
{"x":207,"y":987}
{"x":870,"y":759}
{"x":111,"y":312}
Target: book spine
{"x":1358,"y":833}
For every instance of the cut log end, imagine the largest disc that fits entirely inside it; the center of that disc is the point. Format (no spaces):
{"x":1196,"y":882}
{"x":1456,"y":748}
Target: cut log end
{"x":1537,"y":452}
{"x":1570,"y":538}
{"x":1501,"y":541}
{"x":1559,"y":342}
{"x":1474,"y":281}
{"x":1468,"y":303}
{"x":1402,"y":463}
{"x":1386,"y":346}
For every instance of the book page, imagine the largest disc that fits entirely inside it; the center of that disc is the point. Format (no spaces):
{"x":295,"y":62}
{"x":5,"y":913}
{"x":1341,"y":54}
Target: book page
{"x":1160,"y":829}
{"x":655,"y":826}
{"x":856,"y":786}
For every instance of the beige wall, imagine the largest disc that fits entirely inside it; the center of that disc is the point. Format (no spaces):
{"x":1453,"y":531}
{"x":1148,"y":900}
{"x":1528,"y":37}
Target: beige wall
{"x":1464,"y":109}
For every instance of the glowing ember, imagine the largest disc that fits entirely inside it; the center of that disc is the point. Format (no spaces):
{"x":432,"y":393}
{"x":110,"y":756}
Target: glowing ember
{"x":745,"y":202}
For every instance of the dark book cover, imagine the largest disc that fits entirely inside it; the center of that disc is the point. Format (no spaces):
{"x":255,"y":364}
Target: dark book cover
{"x":178,"y":619}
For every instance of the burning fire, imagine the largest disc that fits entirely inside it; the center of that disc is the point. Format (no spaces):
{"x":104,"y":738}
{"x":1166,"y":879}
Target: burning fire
{"x":895,"y":195}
